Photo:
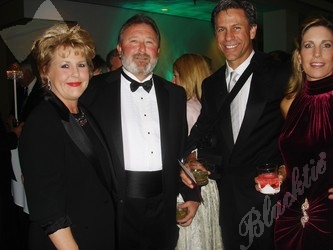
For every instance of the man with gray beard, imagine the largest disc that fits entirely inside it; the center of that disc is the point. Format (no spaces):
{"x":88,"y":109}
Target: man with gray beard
{"x":143,"y":118}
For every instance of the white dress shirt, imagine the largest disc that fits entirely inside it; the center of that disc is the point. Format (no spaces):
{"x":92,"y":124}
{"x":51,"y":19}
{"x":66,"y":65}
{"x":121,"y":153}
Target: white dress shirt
{"x":242,"y":96}
{"x":31,"y":85}
{"x":140,"y":127}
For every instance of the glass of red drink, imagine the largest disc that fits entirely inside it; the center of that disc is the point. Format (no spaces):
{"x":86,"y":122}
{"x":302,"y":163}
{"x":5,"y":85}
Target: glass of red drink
{"x":268,"y":178}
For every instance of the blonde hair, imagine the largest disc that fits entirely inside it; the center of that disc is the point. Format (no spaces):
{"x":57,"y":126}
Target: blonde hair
{"x":60,"y":35}
{"x":192,"y":70}
{"x":298,"y":76}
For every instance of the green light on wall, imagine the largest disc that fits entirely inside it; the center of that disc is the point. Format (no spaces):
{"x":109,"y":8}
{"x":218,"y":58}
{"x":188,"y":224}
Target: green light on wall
{"x":200,"y":10}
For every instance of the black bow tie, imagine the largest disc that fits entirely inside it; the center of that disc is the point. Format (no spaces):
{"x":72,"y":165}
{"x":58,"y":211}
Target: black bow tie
{"x":135,"y":84}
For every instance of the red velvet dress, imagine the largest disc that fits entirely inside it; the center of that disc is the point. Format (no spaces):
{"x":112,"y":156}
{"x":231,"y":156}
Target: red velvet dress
{"x":304,"y":212}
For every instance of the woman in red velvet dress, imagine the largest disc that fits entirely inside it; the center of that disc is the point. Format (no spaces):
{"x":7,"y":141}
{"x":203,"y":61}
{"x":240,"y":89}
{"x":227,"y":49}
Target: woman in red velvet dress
{"x":305,"y":213}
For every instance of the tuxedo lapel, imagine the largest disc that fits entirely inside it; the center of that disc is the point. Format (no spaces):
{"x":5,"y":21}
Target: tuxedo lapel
{"x":222,"y":87}
{"x":34,"y":98}
{"x":226,"y":127}
{"x":114,"y":120}
{"x":255,"y":104}
{"x":163,"y":100}
{"x":80,"y":139}
{"x":254,"y":109}
{"x":109,"y":171}
{"x":111,"y":127}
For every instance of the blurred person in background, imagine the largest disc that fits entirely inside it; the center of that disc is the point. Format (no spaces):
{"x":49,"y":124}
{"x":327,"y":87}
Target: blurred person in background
{"x":189,"y":70}
{"x":113,"y":60}
{"x":99,"y":65}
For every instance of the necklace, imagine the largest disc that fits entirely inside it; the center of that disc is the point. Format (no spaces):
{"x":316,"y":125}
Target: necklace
{"x":80,"y":118}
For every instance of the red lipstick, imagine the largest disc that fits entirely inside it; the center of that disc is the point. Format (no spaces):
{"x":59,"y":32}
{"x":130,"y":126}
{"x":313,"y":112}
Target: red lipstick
{"x":74,"y":84}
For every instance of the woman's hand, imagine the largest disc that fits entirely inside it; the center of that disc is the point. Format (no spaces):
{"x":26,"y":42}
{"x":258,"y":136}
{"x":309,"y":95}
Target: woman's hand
{"x":282,"y":173}
{"x":282,"y":176}
{"x":192,"y":207}
{"x":330,"y":195}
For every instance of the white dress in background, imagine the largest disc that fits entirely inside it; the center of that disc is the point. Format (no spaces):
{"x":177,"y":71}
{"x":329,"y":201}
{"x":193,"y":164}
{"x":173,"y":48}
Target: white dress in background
{"x":204,"y":233}
{"x":18,"y":191}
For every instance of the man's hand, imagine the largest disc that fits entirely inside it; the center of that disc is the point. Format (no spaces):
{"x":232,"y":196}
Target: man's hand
{"x":192,"y":207}
{"x":17,"y":130}
{"x":191,"y":164}
{"x":186,"y":179}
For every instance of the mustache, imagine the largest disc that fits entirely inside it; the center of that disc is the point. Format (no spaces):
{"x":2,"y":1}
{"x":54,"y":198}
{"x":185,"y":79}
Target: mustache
{"x":141,"y":56}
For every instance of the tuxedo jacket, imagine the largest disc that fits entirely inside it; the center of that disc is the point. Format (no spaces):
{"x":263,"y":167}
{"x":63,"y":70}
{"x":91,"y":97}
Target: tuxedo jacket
{"x":26,"y":104}
{"x":102,"y":98}
{"x":8,"y":141}
{"x":62,"y":179}
{"x":257,"y":142}
{"x":36,"y":95}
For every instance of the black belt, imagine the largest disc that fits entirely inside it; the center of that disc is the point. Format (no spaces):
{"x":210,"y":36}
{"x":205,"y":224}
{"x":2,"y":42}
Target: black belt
{"x":143,"y":184}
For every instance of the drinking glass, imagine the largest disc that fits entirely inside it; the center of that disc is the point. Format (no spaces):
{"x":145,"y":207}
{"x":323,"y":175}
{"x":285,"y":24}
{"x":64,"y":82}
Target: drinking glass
{"x":268,"y":178}
{"x":201,"y":177}
{"x":180,"y":212}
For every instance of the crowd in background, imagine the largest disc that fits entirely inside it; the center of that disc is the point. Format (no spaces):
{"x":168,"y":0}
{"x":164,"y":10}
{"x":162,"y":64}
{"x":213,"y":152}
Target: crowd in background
{"x":96,"y":148}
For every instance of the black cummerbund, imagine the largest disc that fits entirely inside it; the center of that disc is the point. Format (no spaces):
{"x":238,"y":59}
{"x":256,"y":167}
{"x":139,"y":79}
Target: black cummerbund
{"x":142,"y":184}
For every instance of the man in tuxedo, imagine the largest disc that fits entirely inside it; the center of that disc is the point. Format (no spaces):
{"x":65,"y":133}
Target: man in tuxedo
{"x":143,"y":118}
{"x":29,"y":90}
{"x":247,"y":130}
{"x":30,"y":83}
{"x":29,"y":95}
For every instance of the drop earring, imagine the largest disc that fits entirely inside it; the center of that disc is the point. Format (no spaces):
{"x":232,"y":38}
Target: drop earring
{"x":300,"y":68}
{"x":49,"y":87}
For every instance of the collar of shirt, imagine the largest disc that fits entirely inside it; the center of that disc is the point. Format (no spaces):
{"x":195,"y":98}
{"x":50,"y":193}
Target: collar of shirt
{"x":241,"y":68}
{"x":135,"y":78}
{"x":140,"y":128}
{"x":31,"y":85}
{"x":140,"y":90}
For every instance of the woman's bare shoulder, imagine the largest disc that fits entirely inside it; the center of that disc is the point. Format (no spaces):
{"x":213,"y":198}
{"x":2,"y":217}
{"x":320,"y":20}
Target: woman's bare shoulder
{"x":285,"y":105}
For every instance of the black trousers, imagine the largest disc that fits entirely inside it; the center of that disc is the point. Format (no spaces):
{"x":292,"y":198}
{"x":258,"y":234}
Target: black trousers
{"x":143,"y":225}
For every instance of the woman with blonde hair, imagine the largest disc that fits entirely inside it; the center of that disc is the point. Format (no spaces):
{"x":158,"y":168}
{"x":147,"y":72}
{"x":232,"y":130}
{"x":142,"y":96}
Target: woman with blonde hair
{"x":65,"y":162}
{"x":204,"y":232}
{"x":305,"y":214}
{"x":189,"y":70}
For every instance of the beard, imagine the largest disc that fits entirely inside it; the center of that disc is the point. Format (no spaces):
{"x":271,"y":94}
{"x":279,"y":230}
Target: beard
{"x":142,"y":68}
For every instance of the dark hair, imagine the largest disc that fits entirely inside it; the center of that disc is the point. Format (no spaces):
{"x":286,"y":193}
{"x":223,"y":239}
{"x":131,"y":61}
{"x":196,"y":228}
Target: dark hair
{"x":30,"y":64}
{"x":137,"y":19}
{"x":280,"y":55}
{"x":112,"y":53}
{"x":245,"y":5}
{"x":98,"y":62}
